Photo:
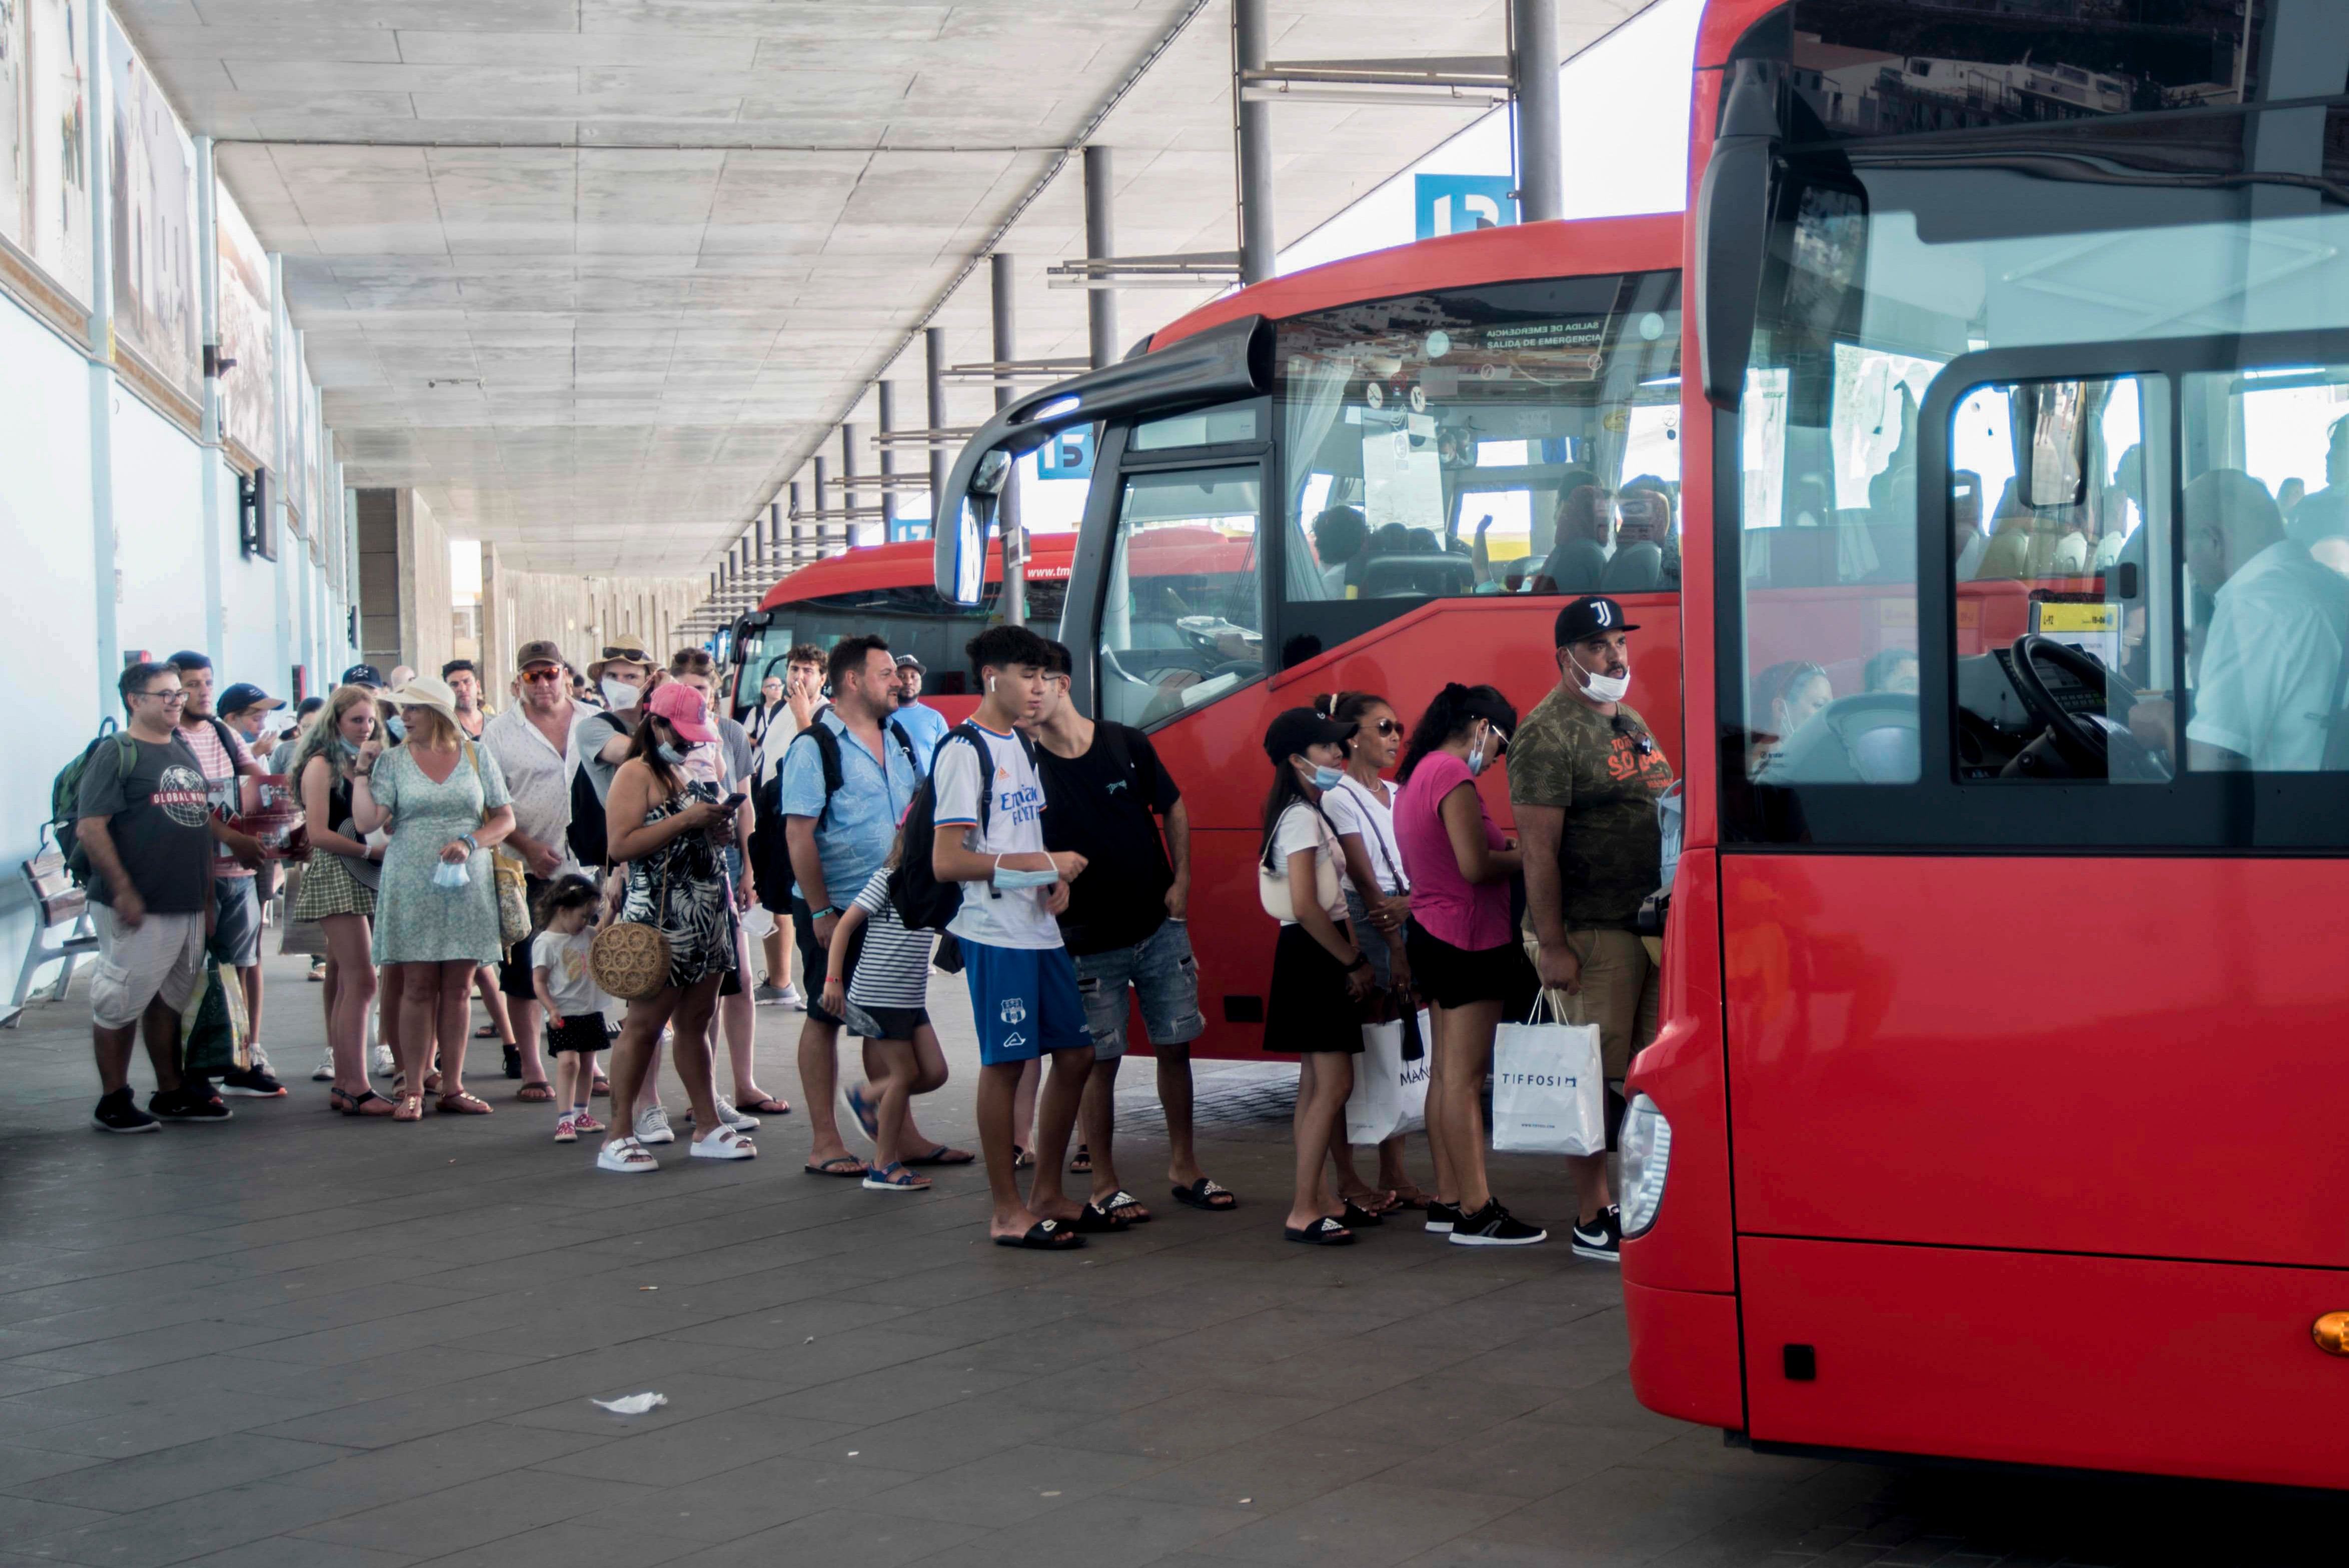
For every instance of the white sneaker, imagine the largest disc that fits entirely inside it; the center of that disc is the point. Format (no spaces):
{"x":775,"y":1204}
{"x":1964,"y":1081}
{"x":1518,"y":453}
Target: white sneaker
{"x":794,"y":999}
{"x":723,"y":1144}
{"x":324,"y":1071}
{"x":627,"y":1156}
{"x":384,"y":1066}
{"x":652,"y":1125}
{"x":734,"y":1119}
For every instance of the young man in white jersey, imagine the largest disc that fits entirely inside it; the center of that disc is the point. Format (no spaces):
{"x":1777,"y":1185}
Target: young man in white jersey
{"x":1023,"y":986}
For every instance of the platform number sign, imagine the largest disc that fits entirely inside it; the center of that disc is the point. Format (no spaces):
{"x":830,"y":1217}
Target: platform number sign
{"x":1456,"y":204}
{"x":1068,"y":454}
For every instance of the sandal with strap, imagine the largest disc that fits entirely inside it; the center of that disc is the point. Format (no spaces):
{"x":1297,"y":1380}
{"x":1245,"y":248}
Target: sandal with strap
{"x":1205,"y":1194}
{"x":894,"y":1178}
{"x":409,"y":1109}
{"x":367,"y":1102}
{"x":540,"y":1093}
{"x":627,"y":1156}
{"x":463,"y":1104}
{"x":724,"y":1143}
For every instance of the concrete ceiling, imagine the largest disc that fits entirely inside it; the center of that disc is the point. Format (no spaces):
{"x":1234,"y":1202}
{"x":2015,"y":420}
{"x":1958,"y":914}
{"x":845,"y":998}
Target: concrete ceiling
{"x":598,"y":276}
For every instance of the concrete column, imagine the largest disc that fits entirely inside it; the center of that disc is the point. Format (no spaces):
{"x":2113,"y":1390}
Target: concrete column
{"x":1252,"y":142}
{"x":850,"y":532}
{"x":406,"y":605}
{"x":1101,"y":244}
{"x":1015,"y":538}
{"x":933,"y":369}
{"x":1533,"y":69}
{"x":884,"y":401}
{"x":106,"y":577}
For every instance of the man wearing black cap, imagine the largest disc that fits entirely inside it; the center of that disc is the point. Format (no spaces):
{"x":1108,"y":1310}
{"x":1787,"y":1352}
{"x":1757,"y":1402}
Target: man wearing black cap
{"x":1584,"y":774}
{"x":362,"y":674}
{"x":923,"y":725}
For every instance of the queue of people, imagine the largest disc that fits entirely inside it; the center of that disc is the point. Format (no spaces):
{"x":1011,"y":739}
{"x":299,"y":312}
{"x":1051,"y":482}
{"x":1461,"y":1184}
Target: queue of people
{"x":1042,"y":853}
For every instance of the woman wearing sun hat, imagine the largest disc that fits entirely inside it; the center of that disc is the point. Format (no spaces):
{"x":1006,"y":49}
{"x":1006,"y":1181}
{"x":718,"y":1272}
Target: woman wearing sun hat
{"x":437,"y":908}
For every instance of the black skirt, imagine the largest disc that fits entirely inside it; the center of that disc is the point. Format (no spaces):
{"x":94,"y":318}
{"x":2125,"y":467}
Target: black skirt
{"x":584,"y":1032}
{"x":1310,"y":1009}
{"x":1452,"y":976}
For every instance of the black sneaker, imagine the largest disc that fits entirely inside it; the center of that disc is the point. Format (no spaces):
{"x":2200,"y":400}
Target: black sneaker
{"x":120,"y":1112}
{"x":1441,"y":1218}
{"x":253,"y":1083}
{"x":192,"y":1101}
{"x":1601,"y":1236}
{"x":1493,"y":1226}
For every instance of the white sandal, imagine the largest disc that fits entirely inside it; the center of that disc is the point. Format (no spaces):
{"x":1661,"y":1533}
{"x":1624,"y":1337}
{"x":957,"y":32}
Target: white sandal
{"x":626,"y":1155}
{"x":725,"y":1144}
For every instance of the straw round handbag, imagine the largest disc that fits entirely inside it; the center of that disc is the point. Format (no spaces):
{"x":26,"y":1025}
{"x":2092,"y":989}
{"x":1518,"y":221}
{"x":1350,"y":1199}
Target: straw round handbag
{"x":630,"y":959}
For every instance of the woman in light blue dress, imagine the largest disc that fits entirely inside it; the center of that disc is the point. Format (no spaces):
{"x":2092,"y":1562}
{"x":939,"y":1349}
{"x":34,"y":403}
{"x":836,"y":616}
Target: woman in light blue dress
{"x":446,"y":803}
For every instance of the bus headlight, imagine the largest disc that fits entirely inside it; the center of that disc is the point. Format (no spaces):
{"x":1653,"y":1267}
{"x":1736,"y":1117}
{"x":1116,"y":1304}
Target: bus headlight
{"x":1647,"y":1149}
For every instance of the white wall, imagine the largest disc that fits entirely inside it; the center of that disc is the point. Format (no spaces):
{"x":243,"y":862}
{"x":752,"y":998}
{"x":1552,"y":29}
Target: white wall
{"x":248,"y":604}
{"x":159,"y":533}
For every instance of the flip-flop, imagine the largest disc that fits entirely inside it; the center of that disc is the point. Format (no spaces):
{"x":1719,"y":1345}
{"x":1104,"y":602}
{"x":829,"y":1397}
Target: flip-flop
{"x":765,"y":1105}
{"x":1022,"y":1160}
{"x":1121,"y":1198}
{"x":535,"y":1093}
{"x":1357,"y":1217}
{"x":1044,"y":1236}
{"x":1324,"y":1232}
{"x":866,"y":1117}
{"x":1203,"y":1193}
{"x":486,"y":1032}
{"x":1080,"y":1163}
{"x":941,"y":1155}
{"x":1094,"y":1219}
{"x":847,"y":1165}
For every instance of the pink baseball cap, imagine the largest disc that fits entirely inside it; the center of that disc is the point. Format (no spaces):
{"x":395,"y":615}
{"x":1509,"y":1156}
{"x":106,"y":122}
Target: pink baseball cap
{"x":683,"y":707}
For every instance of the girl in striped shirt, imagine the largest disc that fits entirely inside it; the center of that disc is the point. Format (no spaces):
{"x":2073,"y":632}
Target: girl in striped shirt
{"x":881,"y":970}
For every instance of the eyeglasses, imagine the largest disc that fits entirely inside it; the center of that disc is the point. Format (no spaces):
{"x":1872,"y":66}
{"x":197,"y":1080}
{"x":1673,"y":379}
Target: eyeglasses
{"x":545,"y":677}
{"x":165,"y":697}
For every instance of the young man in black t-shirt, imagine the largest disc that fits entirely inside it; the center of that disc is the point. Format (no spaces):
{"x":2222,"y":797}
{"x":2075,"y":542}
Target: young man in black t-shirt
{"x":1109,"y":799}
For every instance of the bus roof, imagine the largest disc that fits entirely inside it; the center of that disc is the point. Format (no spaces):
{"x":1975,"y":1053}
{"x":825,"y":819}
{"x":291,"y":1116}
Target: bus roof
{"x":1455,"y":261}
{"x":907,"y":565}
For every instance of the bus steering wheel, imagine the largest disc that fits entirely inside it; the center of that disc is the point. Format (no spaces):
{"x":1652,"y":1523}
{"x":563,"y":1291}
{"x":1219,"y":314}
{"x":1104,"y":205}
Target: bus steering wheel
{"x":2088,"y":746}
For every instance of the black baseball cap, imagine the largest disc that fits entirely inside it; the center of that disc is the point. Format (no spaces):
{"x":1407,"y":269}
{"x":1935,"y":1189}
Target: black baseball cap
{"x":1292,"y":731}
{"x":905,"y":659}
{"x":1592,"y":615}
{"x":188,"y":659}
{"x":242,"y":695}
{"x":362,"y":674}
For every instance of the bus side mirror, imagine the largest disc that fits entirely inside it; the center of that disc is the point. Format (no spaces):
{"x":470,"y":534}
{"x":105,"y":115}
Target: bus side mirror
{"x":1733,"y":228}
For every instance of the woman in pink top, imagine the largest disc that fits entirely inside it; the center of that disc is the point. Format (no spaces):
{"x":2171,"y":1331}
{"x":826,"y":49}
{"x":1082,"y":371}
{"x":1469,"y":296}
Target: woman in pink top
{"x":1466,"y":961}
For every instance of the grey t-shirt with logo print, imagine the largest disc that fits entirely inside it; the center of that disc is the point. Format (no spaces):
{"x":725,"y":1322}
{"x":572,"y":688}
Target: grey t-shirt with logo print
{"x":158,"y":814}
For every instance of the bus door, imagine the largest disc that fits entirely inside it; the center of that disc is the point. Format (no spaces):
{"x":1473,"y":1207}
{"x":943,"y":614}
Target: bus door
{"x":2032,"y":861}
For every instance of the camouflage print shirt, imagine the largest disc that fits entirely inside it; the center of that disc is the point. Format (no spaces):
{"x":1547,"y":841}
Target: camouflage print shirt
{"x":1610,"y":856}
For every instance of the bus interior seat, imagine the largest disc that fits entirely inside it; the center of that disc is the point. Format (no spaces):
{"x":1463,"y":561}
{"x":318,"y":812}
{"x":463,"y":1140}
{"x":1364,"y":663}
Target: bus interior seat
{"x":1871,"y":739}
{"x":1577,"y":566}
{"x":1635,"y":569}
{"x":1417,"y":576}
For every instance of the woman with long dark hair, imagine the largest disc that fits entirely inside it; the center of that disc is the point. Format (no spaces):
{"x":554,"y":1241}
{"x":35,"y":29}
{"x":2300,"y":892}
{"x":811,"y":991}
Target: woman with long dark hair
{"x":672,"y":829}
{"x":1378,"y":905}
{"x":1320,"y":977}
{"x":1464,"y":956}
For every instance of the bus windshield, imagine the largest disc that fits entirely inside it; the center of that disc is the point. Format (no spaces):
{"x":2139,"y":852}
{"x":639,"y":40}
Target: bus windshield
{"x":1509,"y":438}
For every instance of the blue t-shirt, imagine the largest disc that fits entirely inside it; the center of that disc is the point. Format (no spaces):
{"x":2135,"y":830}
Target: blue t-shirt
{"x":925,"y":727}
{"x":853,"y":841}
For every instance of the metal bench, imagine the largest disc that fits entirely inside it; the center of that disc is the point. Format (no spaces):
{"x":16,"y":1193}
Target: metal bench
{"x":57,"y":905}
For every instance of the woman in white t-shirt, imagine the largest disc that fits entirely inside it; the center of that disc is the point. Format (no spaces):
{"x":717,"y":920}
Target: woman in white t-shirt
{"x":1377,"y":902}
{"x":1320,"y":977}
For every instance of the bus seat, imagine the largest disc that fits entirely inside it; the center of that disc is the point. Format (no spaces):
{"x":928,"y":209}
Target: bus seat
{"x":1871,"y":739}
{"x":1577,"y":566}
{"x":1635,"y":569}
{"x":1417,"y":576}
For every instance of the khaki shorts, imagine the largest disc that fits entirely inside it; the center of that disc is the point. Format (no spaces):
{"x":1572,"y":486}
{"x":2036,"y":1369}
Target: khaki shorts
{"x":1620,"y":993}
{"x":162,"y":958}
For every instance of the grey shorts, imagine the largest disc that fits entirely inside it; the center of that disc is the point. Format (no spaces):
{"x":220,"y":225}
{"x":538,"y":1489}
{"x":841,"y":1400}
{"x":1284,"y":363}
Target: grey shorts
{"x":1164,"y":976}
{"x":236,"y":925}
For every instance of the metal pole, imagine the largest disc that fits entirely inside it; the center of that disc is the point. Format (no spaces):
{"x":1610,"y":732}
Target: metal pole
{"x":1252,"y":143}
{"x":795,"y":524}
{"x":1015,"y":539}
{"x":934,"y":363}
{"x":822,"y":488}
{"x":885,"y":400}
{"x":1533,"y":71}
{"x":847,"y":480}
{"x":771,"y":561}
{"x":1100,"y":304}
{"x":105,"y":572}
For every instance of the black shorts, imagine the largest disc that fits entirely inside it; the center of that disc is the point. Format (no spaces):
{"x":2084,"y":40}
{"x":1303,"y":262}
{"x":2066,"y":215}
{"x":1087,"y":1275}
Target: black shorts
{"x":513,"y":969}
{"x":885,"y":1023}
{"x":814,"y":957}
{"x":1452,"y":976}
{"x":583,"y":1032}
{"x":1310,"y":1009}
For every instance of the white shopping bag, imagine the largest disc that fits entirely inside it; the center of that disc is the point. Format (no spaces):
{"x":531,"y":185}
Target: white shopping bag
{"x":1390,"y":1080}
{"x":1550,"y":1092}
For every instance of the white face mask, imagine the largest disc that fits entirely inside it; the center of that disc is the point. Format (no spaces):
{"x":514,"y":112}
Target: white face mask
{"x":1603,"y":689}
{"x":619,"y":694}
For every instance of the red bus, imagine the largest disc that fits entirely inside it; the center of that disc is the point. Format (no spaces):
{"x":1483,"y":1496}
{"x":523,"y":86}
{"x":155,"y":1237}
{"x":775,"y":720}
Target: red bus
{"x":1989,"y":1118}
{"x":887,"y":589}
{"x":1474,"y":402}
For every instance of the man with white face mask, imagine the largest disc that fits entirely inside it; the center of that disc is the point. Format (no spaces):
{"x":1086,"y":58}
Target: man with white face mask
{"x":1584,"y":774}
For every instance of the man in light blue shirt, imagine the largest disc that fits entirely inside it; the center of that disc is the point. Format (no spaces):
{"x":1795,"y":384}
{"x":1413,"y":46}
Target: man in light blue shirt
{"x":923,"y":725}
{"x":838,"y":836}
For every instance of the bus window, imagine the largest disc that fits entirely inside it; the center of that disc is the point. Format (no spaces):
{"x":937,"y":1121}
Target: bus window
{"x":1514,"y":438}
{"x":1181,"y":623}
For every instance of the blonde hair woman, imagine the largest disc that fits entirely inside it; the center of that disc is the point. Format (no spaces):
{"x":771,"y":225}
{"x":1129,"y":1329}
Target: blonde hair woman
{"x":338,"y":887}
{"x":437,"y":909}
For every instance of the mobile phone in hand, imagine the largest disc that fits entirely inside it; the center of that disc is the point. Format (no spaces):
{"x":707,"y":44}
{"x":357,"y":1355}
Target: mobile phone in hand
{"x":733,"y":802}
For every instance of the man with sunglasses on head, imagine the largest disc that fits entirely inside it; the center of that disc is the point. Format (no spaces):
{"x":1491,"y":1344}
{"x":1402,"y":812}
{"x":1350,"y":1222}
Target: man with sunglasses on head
{"x":1584,"y":776}
{"x":536,"y":750}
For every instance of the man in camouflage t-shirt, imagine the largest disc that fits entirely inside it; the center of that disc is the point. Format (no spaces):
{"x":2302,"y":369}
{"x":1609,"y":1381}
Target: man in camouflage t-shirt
{"x":1584,"y":774}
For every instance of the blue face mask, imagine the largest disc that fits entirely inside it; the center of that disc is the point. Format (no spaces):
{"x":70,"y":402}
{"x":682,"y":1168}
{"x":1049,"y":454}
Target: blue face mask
{"x":1007,"y":879}
{"x":395,"y":727}
{"x":1326,"y":777}
{"x":670,"y":754}
{"x":345,"y":749}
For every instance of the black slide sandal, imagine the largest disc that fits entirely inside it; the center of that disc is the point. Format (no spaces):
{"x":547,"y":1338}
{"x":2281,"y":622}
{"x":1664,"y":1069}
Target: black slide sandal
{"x":1091,"y":1220}
{"x":1044,"y":1236}
{"x":1203,"y":1193}
{"x":1324,"y":1232}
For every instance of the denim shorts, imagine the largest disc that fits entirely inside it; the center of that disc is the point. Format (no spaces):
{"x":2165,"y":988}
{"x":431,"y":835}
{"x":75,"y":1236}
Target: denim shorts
{"x":1164,"y":976}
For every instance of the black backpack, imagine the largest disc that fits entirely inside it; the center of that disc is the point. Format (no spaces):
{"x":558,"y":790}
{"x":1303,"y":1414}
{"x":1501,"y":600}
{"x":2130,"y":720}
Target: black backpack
{"x":587,"y":836}
{"x":770,"y":855}
{"x":65,"y":794}
{"x":923,"y":903}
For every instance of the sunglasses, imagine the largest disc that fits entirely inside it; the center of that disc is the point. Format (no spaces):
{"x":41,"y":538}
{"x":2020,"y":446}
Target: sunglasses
{"x":1388,"y":726}
{"x":1641,"y":741}
{"x":546,"y":677}
{"x":632,"y":655}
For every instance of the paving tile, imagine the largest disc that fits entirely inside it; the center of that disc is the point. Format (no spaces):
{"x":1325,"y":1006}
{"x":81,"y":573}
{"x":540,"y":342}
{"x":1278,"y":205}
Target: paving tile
{"x":1278,"y":1471}
{"x":1370,"y":1523}
{"x":175,"y":1531}
{"x":1191,"y":1424}
{"x":192,"y":1470}
{"x":691,"y":1451}
{"x":1009,"y":1485}
{"x":425,"y":1465}
{"x":570,"y":1545}
{"x":1111,"y":1531}
{"x":474,"y":1514}
{"x":847,"y":1536}
{"x":748,"y":1499}
{"x":891,"y":1390}
{"x":166,"y":1424}
{"x":285,"y":1552}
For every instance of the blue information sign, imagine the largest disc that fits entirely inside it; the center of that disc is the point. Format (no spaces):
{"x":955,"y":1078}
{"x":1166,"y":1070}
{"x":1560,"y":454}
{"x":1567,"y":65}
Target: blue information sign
{"x":1067,"y":456}
{"x":1455,"y":203}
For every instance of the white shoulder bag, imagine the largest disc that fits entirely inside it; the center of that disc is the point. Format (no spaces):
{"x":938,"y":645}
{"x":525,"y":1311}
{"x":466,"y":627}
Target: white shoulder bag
{"x":1272,"y":886}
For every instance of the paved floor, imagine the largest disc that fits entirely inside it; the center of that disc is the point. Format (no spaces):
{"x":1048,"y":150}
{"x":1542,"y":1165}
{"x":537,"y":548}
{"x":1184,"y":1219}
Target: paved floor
{"x":298,"y":1340}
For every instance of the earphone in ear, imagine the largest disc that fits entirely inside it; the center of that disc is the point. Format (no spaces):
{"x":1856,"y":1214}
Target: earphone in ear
{"x":991,"y":683}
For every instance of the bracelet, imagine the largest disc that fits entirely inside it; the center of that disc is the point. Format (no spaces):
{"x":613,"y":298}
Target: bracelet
{"x":1361,"y":961}
{"x":469,"y":840}
{"x":833,"y":980}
